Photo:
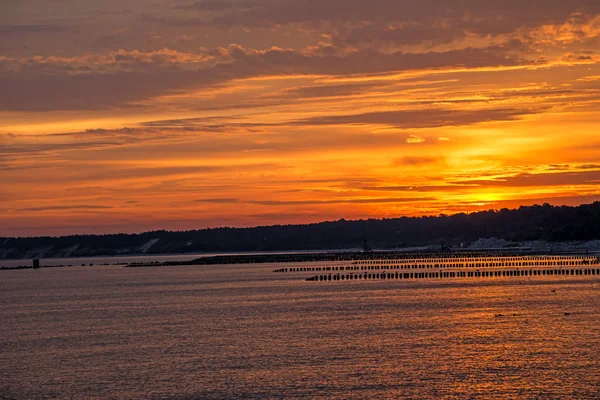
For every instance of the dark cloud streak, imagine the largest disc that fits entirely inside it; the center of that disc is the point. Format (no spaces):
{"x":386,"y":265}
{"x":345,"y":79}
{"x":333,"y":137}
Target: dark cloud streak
{"x":542,"y":179}
{"x":340,"y":201}
{"x":429,"y":118}
{"x":49,"y":90}
{"x":32,"y":29}
{"x":73,"y":208}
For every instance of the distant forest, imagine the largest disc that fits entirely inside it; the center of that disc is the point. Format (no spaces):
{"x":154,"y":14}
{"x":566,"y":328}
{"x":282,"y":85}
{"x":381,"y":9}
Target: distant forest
{"x":539,"y":222}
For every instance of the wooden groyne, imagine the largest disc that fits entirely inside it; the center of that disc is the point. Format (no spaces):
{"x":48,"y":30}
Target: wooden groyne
{"x":457,"y":274}
{"x":484,"y":266}
{"x":454,"y":263}
{"x":480,"y":262}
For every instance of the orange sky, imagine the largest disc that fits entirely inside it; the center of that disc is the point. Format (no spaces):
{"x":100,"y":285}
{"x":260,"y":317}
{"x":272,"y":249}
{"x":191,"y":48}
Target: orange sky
{"x":182,"y":114}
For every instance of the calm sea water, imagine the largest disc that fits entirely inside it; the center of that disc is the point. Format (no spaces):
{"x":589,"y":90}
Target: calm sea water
{"x":242,"y":332}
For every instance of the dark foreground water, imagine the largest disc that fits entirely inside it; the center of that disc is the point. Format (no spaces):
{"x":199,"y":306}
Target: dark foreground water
{"x":228,"y":332}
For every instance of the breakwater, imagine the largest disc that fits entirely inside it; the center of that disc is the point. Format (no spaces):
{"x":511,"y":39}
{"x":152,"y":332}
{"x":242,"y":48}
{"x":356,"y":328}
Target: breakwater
{"x":259,"y":259}
{"x":373,"y":259}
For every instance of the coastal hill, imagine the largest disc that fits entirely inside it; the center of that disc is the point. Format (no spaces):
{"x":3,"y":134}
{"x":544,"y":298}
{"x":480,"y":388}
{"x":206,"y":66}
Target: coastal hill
{"x":534,"y":223}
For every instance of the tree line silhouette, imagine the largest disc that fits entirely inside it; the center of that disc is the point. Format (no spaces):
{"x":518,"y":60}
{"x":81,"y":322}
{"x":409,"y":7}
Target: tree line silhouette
{"x":538,"y":222}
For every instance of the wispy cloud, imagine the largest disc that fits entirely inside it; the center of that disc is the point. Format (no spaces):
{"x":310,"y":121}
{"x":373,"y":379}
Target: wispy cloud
{"x":340,"y":201}
{"x":411,"y":119}
{"x":541,"y":179}
{"x":66,"y":208}
{"x":217,"y":201}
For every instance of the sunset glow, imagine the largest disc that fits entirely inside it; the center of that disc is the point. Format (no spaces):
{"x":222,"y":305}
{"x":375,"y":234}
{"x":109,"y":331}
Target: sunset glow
{"x":127,"y":116}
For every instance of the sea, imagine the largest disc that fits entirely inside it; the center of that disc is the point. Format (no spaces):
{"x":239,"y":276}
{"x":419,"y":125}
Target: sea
{"x":245,"y":332}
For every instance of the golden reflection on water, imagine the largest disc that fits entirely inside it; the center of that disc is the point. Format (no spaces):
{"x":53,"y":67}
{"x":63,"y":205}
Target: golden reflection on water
{"x":244,"y":332}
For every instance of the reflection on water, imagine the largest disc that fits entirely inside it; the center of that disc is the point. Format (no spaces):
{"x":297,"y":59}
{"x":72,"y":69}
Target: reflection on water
{"x":244,"y":332}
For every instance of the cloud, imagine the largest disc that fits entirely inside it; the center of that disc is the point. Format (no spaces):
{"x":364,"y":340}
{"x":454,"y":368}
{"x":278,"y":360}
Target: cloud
{"x":217,"y":201}
{"x":31,"y":28}
{"x":571,"y":167}
{"x":414,"y":188}
{"x":474,"y":14}
{"x":190,"y":122}
{"x":407,"y":33}
{"x":217,"y":5}
{"x":412,"y":139}
{"x":417,"y":160}
{"x":45,"y":84}
{"x":339,"y":201}
{"x":553,"y":200}
{"x":71,"y":208}
{"x":542,"y":179}
{"x":576,"y":29}
{"x":285,"y":23}
{"x":110,"y":62}
{"x":312,"y":92}
{"x":95,"y":172}
{"x":401,"y":119}
{"x":594,"y":78}
{"x":412,"y":119}
{"x":519,"y":32}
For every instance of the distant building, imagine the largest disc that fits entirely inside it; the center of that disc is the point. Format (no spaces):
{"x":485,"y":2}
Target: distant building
{"x":36,"y":263}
